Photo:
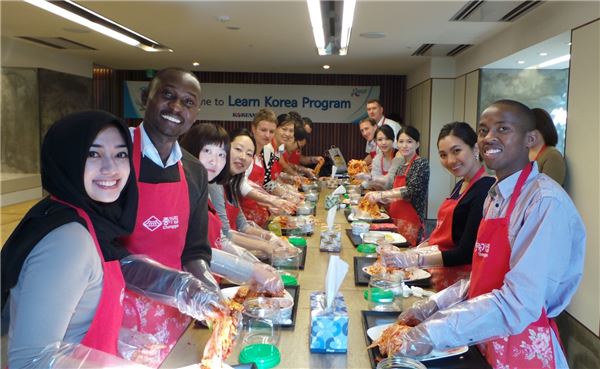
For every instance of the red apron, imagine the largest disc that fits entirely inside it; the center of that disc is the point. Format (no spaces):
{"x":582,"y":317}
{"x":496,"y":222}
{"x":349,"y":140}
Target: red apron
{"x":160,"y":232}
{"x":293,"y":157}
{"x":232,"y":212}
{"x":445,"y":276}
{"x":214,"y":231}
{"x":403,"y":212}
{"x":103,"y":333}
{"x":214,"y":227}
{"x":253,"y":210}
{"x":531,"y":348}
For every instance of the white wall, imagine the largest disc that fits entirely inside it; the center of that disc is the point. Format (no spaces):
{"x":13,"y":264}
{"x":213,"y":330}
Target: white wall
{"x":442,"y":111}
{"x":583,"y":163}
{"x":17,"y":53}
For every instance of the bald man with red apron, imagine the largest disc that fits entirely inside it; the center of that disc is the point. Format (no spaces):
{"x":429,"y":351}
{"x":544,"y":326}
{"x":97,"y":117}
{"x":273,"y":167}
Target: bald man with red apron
{"x":491,"y":258}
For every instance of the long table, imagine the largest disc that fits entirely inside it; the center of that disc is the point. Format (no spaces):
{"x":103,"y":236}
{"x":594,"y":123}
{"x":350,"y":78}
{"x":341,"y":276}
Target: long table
{"x":294,"y":344}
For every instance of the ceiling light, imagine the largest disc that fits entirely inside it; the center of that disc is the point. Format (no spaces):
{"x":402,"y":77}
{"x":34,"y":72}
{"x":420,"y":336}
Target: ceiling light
{"x":314,"y":11}
{"x":85,"y":17}
{"x":543,"y":54}
{"x":326,"y":66}
{"x":195,"y":64}
{"x":331,"y":23}
{"x":521,"y":62}
{"x":347,"y":19}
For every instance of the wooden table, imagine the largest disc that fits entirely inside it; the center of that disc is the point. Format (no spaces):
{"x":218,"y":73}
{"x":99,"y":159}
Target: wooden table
{"x":294,"y":343}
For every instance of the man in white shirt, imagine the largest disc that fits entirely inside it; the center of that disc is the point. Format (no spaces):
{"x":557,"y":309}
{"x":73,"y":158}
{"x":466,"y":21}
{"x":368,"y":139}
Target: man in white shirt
{"x":375,"y":111}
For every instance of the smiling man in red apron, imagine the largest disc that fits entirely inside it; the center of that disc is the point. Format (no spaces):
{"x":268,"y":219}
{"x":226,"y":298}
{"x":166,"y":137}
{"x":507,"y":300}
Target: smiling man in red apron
{"x":171,"y":224}
{"x":527,"y":261}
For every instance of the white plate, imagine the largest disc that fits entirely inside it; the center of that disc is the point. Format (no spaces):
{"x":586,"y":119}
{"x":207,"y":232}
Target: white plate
{"x":391,"y":237}
{"x":383,"y":216}
{"x":375,"y":332}
{"x":229,"y":292}
{"x":417,"y":274}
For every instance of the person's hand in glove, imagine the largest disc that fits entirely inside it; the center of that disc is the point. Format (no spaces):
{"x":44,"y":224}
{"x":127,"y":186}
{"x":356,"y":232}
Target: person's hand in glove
{"x":209,"y":302}
{"x":278,"y":242}
{"x":400,"y":259}
{"x":419,"y":312}
{"x":284,"y":206}
{"x":373,"y":197}
{"x":415,"y":342}
{"x":363,"y":176}
{"x":267,"y":279}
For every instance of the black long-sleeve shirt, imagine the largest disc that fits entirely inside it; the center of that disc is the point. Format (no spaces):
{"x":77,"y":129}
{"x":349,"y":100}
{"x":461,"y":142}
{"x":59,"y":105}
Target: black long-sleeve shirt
{"x":465,"y":221}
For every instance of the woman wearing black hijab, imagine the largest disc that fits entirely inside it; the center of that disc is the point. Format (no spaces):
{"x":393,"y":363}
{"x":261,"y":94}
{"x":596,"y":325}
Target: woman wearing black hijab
{"x":63,"y":266}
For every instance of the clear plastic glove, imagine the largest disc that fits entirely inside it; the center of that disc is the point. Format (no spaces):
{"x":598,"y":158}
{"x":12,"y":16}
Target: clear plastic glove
{"x":240,"y":271}
{"x":452,"y":295}
{"x":143,"y":348}
{"x":415,"y":342}
{"x":62,"y":355}
{"x":419,"y":312}
{"x":400,"y":259}
{"x":284,"y":206}
{"x":267,"y":279}
{"x":230,"y":247}
{"x":363,"y":176}
{"x":373,"y":197}
{"x":196,"y":293}
{"x":279,"y":243}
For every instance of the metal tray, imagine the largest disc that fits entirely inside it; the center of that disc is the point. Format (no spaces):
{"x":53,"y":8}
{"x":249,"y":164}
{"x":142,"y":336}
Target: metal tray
{"x":362,"y":279}
{"x":471,"y":359}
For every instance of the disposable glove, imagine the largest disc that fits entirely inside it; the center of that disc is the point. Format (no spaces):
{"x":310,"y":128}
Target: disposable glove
{"x":400,"y":259}
{"x":212,"y":305}
{"x":419,"y":312}
{"x":192,"y":296}
{"x":62,"y":355}
{"x":267,"y":279}
{"x":240,"y":271}
{"x":279,"y":243}
{"x":415,"y":342}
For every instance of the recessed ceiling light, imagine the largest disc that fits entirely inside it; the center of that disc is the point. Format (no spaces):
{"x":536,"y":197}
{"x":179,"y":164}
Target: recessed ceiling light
{"x":233,"y":28}
{"x":223,"y":18}
{"x":195,"y":64}
{"x":543,"y":54}
{"x":521,"y":62}
{"x":373,"y":35}
{"x":326,"y":66}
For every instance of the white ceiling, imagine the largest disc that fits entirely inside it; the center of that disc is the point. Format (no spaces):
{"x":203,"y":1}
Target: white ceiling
{"x":274,"y":36}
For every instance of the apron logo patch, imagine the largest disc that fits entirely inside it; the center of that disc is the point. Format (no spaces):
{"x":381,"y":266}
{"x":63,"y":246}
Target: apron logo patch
{"x":482,"y":249}
{"x":170,"y":222}
{"x":152,"y":223}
